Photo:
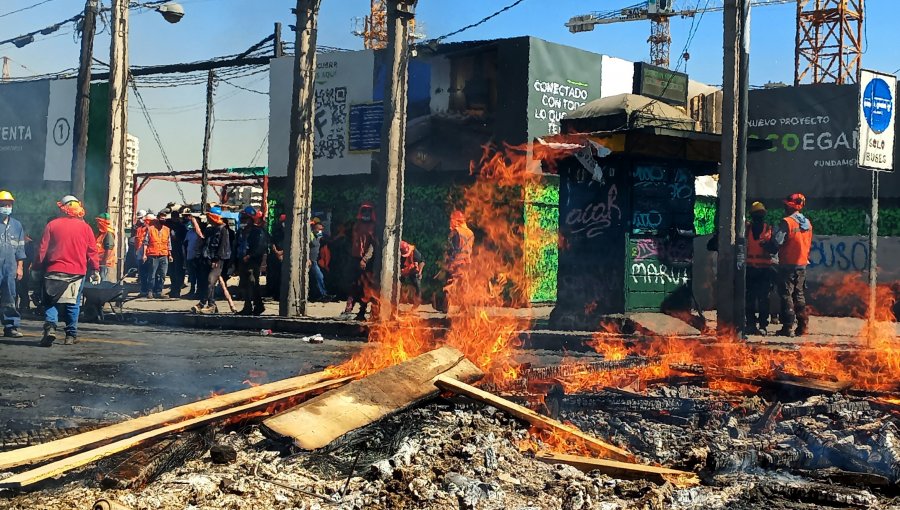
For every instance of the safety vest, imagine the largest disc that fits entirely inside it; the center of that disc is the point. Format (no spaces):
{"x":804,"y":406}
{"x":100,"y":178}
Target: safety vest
{"x":463,"y":256}
{"x":757,"y":256}
{"x":139,"y":234}
{"x":159,"y":242}
{"x":107,"y":257}
{"x":795,"y":250}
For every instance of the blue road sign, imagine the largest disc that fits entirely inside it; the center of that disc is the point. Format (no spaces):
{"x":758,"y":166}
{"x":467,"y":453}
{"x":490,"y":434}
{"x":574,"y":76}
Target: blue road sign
{"x":878,"y":105}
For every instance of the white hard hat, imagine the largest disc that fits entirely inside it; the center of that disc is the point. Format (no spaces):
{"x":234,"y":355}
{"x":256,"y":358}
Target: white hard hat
{"x":142,"y":213}
{"x":68,"y":198}
{"x":149,"y":216}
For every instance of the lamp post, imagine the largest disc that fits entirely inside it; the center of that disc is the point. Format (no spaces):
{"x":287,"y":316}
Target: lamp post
{"x":118,"y":110}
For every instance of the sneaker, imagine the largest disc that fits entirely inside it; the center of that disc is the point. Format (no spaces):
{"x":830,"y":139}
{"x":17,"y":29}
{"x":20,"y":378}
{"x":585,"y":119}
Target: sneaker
{"x":196,"y":308}
{"x":12,"y":333}
{"x":211,"y":309}
{"x":158,"y":296}
{"x":246,"y":311}
{"x":258,"y":311}
{"x":70,"y":340}
{"x":143,"y":295}
{"x":346,"y":315}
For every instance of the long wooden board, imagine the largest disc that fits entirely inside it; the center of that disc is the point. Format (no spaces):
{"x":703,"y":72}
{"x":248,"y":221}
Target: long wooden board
{"x":81,"y":459}
{"x":624,"y":470}
{"x":537,"y":420}
{"x":36,"y":454}
{"x":323,"y":419}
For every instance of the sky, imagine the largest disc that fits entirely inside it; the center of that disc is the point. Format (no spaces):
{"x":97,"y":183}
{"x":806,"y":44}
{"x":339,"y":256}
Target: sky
{"x":213,"y":28}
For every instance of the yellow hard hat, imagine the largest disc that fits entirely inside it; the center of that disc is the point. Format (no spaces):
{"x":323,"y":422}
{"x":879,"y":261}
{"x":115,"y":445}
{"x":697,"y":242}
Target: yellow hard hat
{"x":757,"y":207}
{"x":6,"y":195}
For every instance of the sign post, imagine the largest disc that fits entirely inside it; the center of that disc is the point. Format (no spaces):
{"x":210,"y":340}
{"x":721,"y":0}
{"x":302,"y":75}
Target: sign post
{"x":877,"y":93}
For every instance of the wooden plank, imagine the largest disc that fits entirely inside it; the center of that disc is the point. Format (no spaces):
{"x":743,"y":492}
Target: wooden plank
{"x":624,"y":470}
{"x":131,"y":470}
{"x":261,"y":407}
{"x":537,"y":420}
{"x":73,"y":444}
{"x":323,"y":419}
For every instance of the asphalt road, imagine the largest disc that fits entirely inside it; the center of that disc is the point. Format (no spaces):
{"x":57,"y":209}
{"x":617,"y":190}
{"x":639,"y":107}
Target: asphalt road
{"x":133,"y":368}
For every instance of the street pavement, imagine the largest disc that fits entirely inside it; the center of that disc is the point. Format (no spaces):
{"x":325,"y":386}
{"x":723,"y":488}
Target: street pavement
{"x":123,"y":369}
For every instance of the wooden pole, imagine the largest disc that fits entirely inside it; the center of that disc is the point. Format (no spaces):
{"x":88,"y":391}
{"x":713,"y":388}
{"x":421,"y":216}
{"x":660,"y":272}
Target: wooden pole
{"x":295,"y":271}
{"x":83,"y":101}
{"x":393,"y":154}
{"x":207,"y":135}
{"x":118,"y":129}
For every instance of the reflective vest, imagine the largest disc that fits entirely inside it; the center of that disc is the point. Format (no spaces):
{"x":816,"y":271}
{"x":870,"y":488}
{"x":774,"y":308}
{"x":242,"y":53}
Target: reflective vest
{"x":757,"y":256}
{"x":795,"y":250}
{"x":139,"y":234}
{"x":159,"y":242}
{"x":107,"y":257}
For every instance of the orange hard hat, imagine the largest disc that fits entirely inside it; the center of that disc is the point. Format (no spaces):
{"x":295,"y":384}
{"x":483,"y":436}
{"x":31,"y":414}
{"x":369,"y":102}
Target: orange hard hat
{"x":796,"y":201}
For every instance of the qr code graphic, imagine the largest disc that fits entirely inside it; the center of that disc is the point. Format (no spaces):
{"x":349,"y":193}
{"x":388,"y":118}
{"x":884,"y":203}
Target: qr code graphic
{"x":331,"y":123}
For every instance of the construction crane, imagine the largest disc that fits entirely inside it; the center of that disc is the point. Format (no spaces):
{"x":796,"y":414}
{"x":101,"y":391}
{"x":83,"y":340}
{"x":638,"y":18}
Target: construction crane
{"x":828,"y":43}
{"x":373,"y":28}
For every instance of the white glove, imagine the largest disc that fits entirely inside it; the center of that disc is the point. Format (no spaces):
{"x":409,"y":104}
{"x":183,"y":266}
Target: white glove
{"x":95,"y":278}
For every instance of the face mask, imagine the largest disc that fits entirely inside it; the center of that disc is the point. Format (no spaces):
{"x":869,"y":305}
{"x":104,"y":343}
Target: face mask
{"x":6,"y":210}
{"x":318,"y":233}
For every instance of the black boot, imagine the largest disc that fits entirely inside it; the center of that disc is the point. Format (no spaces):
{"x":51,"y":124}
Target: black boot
{"x":802,"y":326}
{"x":49,"y":334}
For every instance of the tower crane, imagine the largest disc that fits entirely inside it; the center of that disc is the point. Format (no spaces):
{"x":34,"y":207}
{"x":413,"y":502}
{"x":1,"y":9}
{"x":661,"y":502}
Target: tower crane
{"x":373,"y":28}
{"x":658,"y":12}
{"x":828,"y":47}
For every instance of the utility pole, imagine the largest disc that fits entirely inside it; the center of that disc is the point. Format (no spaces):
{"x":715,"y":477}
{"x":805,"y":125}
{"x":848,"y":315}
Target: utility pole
{"x":295,"y":272}
{"x":732,"y":254}
{"x":5,"y":75}
{"x":392,"y":158}
{"x":279,"y":47}
{"x":83,"y":102}
{"x":873,"y":261}
{"x":118,"y":129}
{"x":204,"y":179}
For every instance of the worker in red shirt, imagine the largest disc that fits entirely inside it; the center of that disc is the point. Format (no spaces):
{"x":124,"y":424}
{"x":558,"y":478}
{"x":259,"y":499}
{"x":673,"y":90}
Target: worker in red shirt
{"x":68,"y":252}
{"x":158,"y":252}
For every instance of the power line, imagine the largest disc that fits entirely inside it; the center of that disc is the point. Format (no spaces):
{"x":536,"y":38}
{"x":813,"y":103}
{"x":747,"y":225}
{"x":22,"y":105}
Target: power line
{"x":243,"y":88}
{"x":10,"y":13}
{"x":477,"y":23}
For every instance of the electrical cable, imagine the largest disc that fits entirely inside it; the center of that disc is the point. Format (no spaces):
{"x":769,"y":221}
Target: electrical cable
{"x":244,"y":88}
{"x":473,"y":25}
{"x":10,"y":13}
{"x":258,"y":152}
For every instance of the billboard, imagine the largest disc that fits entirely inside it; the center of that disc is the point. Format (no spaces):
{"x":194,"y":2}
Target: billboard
{"x":815,"y":138}
{"x":660,"y":83}
{"x":343,"y":79}
{"x":36,"y":120}
{"x":561,"y":79}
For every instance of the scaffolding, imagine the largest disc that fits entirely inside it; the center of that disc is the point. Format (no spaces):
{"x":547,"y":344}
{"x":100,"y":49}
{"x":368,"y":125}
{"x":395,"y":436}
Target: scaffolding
{"x":829,"y":41}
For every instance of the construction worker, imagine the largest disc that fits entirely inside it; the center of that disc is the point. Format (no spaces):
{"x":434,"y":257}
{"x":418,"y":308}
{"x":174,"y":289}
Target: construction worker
{"x":792,"y":240}
{"x":177,"y":268}
{"x":12,"y":270}
{"x":252,"y":246}
{"x":68,"y":252}
{"x":459,"y":256}
{"x":760,"y":270}
{"x":158,"y":252}
{"x":106,"y":246}
{"x":140,"y":244}
{"x":412,"y":265}
{"x":362,"y":252}
{"x":214,"y":252}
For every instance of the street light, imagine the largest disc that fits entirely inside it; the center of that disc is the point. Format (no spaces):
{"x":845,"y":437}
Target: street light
{"x":171,"y":11}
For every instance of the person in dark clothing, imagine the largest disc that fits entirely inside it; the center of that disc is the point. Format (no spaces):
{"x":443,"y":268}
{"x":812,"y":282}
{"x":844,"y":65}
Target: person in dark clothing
{"x":177,"y":268}
{"x":412,"y":264}
{"x":216,"y":249}
{"x":760,"y":270}
{"x":24,"y":285}
{"x":252,"y":246}
{"x":363,"y":250}
{"x":792,"y":240}
{"x":275,"y":258}
{"x":339,"y":269}
{"x":317,"y":277}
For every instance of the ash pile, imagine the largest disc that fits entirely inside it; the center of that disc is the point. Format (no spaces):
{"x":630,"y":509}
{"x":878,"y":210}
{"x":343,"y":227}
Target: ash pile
{"x":416,"y":435}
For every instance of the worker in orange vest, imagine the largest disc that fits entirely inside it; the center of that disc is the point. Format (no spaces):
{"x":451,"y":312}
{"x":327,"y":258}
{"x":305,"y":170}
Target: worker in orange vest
{"x":140,"y":236}
{"x":158,"y":252}
{"x":106,"y":246}
{"x":459,"y":256}
{"x":760,"y":270}
{"x":792,"y":239}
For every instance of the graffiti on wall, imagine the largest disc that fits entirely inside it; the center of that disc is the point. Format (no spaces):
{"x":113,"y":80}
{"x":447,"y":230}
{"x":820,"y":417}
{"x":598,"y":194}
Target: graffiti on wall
{"x":330,"y":123}
{"x":678,"y":250}
{"x":839,"y":254}
{"x":595,"y":218}
{"x":659,"y":274}
{"x":662,"y":198}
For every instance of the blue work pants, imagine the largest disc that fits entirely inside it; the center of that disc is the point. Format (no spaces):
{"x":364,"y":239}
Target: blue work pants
{"x":69,"y":311}
{"x":159,"y":268}
{"x":8,"y":295}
